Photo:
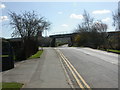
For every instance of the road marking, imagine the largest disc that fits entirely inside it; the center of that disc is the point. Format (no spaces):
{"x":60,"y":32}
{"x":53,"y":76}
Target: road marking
{"x":81,"y":86}
{"x":77,"y":73}
{"x":69,"y":80}
{"x":73,"y":71}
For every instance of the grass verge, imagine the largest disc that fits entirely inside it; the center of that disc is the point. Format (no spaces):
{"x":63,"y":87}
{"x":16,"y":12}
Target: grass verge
{"x":11,"y":85}
{"x":37,"y":55}
{"x":4,"y":55}
{"x":112,"y":50}
{"x":115,"y":51}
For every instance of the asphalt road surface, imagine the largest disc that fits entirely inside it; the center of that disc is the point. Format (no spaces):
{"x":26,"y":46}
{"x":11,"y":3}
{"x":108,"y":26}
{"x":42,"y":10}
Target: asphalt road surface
{"x":98,"y":68}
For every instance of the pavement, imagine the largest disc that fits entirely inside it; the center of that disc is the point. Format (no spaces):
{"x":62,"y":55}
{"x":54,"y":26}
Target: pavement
{"x":44,"y":72}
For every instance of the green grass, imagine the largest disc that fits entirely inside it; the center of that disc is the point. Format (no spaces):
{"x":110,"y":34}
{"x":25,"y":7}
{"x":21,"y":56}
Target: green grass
{"x":116,"y":51}
{"x":4,"y":55}
{"x":37,"y":55}
{"x":112,"y":50}
{"x":11,"y":86}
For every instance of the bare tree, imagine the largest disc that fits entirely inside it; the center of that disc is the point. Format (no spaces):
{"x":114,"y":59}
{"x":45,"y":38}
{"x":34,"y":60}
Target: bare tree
{"x":99,"y":34}
{"x":100,"y":27}
{"x":90,"y":34}
{"x":116,"y":18}
{"x":28,"y":25}
{"x":116,"y":23}
{"x":87,"y":20}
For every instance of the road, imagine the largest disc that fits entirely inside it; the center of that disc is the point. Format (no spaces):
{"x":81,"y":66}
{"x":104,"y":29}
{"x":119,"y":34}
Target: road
{"x":98,"y":68}
{"x":67,"y":67}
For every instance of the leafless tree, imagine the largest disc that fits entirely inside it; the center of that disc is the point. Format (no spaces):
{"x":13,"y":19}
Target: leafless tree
{"x":87,"y":20}
{"x":100,"y":26}
{"x":116,"y":18}
{"x":99,"y":34}
{"x":90,"y":33}
{"x":28,"y":25}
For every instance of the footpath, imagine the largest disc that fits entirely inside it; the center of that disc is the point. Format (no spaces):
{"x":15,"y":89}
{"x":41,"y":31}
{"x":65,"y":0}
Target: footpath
{"x":44,"y":72}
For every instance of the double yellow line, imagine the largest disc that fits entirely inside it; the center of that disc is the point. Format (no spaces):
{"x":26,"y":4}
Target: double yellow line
{"x":80,"y":81}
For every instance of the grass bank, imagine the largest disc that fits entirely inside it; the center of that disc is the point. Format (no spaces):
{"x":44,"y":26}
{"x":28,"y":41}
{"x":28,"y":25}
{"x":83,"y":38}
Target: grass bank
{"x":114,"y":51}
{"x":11,"y":86}
{"x":37,"y":55}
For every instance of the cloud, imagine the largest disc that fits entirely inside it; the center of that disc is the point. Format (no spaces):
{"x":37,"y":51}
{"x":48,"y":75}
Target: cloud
{"x":3,"y":18}
{"x":75,"y":16}
{"x":101,"y":11}
{"x":60,"y":12}
{"x":105,"y":19}
{"x":2,"y":6}
{"x":64,"y":25}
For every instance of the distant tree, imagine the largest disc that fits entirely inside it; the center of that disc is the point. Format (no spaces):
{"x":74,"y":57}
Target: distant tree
{"x":116,"y":18}
{"x":77,"y":40}
{"x":82,"y":37}
{"x":91,"y":34}
{"x":87,"y":21}
{"x":84,"y":29}
{"x":99,"y":34}
{"x":27,"y":26}
{"x":116,"y":23}
{"x":100,"y":26}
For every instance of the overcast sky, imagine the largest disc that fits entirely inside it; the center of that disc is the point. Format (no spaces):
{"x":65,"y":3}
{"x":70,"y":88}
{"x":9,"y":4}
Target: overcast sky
{"x":64,"y":16}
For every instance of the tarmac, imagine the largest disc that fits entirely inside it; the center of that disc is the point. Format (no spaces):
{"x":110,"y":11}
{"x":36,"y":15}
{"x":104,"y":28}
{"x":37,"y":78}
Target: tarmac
{"x":44,"y":72}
